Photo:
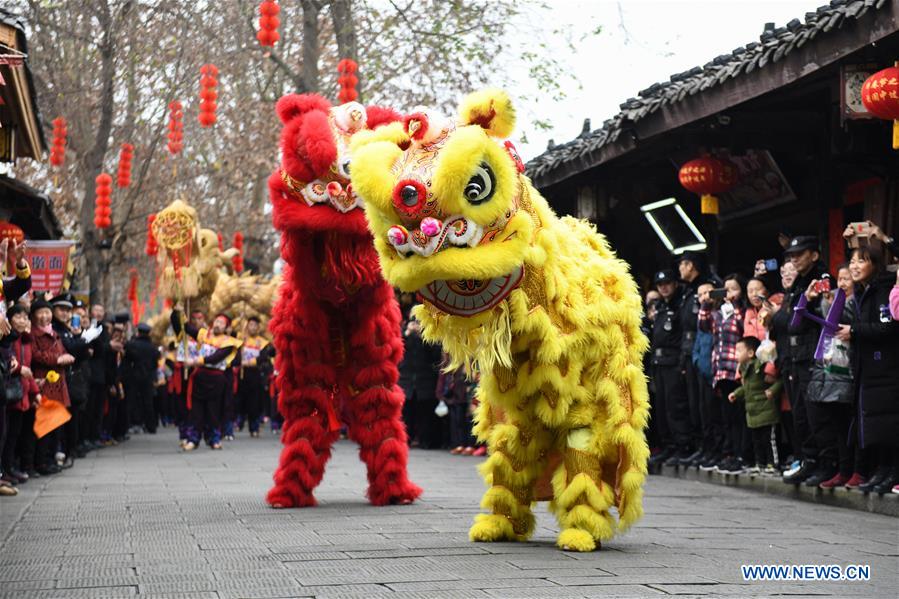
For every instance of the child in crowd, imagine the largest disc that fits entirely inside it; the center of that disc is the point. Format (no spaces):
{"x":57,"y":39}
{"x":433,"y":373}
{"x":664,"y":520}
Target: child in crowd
{"x":759,"y":397}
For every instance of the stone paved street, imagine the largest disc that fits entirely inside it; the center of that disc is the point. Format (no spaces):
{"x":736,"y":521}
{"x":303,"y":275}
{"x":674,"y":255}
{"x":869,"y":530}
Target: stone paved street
{"x":144,"y":519}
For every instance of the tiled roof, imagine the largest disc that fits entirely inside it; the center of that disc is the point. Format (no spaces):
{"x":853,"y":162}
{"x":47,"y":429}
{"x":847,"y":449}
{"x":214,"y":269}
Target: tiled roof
{"x":773,"y":45}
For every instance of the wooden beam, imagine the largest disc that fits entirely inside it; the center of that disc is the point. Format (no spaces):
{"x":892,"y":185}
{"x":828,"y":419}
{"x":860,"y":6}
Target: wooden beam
{"x":799,"y":64}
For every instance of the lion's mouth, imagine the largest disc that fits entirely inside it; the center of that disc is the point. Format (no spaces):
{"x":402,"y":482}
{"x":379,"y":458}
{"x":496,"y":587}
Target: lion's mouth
{"x":468,"y":297}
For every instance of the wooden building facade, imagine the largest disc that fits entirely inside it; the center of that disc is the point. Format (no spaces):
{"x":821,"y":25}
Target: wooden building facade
{"x":785,"y":109}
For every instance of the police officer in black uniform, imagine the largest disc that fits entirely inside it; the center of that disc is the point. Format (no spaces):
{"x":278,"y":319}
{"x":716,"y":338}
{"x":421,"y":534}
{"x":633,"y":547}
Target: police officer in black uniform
{"x":805,"y":254}
{"x":690,"y":266}
{"x":668,"y":377}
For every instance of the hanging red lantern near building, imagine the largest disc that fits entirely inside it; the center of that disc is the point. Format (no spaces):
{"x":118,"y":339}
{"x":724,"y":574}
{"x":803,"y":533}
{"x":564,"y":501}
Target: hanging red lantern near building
{"x":103,"y":202}
{"x":152,"y":246}
{"x":237,"y":261}
{"x":268,"y":23}
{"x":347,"y":80}
{"x":58,"y":149}
{"x":208,"y":95}
{"x":125,"y":156}
{"x":176,"y":128}
{"x":708,"y":176}
{"x":880,"y":95}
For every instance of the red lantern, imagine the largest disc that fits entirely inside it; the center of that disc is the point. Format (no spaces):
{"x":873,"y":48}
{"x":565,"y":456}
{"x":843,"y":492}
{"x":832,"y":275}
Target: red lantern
{"x":58,"y":150}
{"x":347,"y":80}
{"x":208,"y":95}
{"x":237,"y":261}
{"x":125,"y":156}
{"x":103,"y":203}
{"x":176,"y":127}
{"x":152,"y":245}
{"x":708,"y":176}
{"x":268,"y":23}
{"x":11,"y":232}
{"x":880,"y":95}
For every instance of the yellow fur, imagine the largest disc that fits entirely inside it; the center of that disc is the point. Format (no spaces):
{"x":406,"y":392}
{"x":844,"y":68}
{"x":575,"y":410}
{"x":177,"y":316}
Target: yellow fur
{"x":560,"y":356}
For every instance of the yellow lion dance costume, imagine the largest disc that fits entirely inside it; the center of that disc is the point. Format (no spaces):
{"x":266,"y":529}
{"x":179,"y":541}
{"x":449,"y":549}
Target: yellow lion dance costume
{"x":540,"y":304}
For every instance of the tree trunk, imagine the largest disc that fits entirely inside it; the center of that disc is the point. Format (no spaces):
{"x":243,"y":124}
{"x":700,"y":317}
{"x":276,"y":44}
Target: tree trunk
{"x":311,"y":49}
{"x":345,"y":32}
{"x":93,"y":159}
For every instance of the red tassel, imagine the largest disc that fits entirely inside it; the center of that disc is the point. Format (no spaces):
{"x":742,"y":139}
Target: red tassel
{"x":237,"y":261}
{"x":152,"y":246}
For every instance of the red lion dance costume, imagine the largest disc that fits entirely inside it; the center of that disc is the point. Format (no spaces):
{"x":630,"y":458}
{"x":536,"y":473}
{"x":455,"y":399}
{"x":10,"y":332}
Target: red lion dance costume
{"x":336,"y":324}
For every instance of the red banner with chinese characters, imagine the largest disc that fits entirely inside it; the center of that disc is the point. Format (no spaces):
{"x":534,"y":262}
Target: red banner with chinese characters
{"x":49,"y":261}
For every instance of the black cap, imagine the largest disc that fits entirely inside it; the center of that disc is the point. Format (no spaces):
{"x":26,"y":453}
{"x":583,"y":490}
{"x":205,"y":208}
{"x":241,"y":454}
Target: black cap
{"x":79,"y":304}
{"x":697,"y":258}
{"x":64,"y":300}
{"x":38,"y":304}
{"x":121,"y":318}
{"x":143,"y":328}
{"x":664,"y":276}
{"x":800,"y":243}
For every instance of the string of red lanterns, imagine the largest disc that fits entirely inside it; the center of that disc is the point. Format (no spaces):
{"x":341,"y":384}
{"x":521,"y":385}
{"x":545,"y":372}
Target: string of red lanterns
{"x":125,"y":156}
{"x":152,"y":245}
{"x":268,"y":23}
{"x":237,"y":261}
{"x":103,"y":202}
{"x":176,"y":128}
{"x":347,"y":80}
{"x":208,"y":94}
{"x":58,"y":149}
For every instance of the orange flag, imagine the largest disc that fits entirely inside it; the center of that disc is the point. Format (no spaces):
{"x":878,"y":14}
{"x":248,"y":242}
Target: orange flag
{"x":50,"y":415}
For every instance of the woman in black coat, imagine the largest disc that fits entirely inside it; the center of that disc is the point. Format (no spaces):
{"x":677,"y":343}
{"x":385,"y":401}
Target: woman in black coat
{"x":874,"y":338}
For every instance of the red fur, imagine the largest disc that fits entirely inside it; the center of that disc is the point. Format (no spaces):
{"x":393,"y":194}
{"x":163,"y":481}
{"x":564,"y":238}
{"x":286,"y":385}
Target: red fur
{"x":336,"y":327}
{"x":380,"y":115}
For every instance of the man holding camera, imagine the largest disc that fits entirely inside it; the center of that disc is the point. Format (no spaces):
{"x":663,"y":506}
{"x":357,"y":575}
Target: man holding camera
{"x":670,"y":388}
{"x":804,"y":253}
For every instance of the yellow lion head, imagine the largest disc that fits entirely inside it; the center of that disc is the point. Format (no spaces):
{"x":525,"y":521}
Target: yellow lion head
{"x":447,"y":203}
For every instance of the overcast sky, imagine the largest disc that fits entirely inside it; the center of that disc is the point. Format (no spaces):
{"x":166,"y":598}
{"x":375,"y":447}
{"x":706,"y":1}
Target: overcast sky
{"x":643,"y":42}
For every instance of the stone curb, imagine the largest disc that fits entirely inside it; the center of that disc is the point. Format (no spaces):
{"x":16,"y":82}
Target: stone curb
{"x":887,"y":505}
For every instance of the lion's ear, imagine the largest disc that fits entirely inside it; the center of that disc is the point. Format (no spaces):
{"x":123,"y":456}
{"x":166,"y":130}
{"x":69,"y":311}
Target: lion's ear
{"x":490,"y":109}
{"x":291,"y":106}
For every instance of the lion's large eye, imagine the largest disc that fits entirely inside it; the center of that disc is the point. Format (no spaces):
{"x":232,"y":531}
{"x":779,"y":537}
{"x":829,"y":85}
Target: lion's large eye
{"x":481,"y":186}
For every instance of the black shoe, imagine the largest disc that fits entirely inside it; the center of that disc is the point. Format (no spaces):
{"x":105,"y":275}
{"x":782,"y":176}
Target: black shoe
{"x":692,"y":459}
{"x":709,"y":462}
{"x":887,"y":484}
{"x":732,"y":466}
{"x":820,"y":476}
{"x":661,"y":456}
{"x":878,"y":477}
{"x":79,"y":453}
{"x":67,"y":463}
{"x":23,"y":478}
{"x":49,"y":470}
{"x":807,"y":469}
{"x":32,"y":473}
{"x":675,"y":459}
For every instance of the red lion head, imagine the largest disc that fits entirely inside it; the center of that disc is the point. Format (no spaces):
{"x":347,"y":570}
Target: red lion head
{"x":311,"y":191}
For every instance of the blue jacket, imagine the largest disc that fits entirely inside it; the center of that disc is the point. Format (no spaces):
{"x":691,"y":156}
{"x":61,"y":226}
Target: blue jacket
{"x":702,"y":355}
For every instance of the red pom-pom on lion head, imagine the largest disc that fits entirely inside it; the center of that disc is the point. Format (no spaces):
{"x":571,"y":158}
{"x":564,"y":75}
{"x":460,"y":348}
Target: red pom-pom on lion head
{"x":311,"y":191}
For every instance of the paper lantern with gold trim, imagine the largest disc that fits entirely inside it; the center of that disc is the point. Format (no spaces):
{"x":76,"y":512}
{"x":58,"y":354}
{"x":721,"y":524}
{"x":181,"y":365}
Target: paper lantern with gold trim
{"x":708,"y":176}
{"x":880,"y":95}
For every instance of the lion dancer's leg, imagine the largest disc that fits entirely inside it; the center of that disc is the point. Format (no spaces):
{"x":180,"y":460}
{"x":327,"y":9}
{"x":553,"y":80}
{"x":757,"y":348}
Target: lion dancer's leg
{"x":375,"y":401}
{"x":306,"y":379}
{"x":582,"y":498}
{"x":517,"y":450}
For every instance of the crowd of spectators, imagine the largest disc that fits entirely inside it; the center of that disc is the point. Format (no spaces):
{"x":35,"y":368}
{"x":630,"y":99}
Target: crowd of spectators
{"x":742,"y":380}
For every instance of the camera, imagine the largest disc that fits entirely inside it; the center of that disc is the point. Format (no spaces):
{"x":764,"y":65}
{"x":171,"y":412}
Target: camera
{"x":718,"y":294}
{"x":771,"y":265}
{"x":822,"y":286}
